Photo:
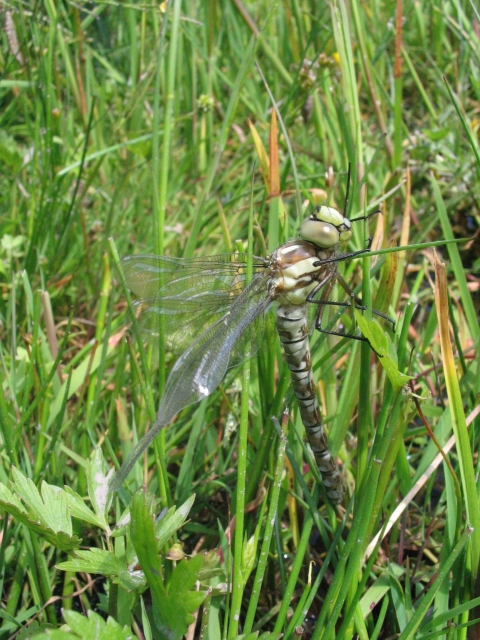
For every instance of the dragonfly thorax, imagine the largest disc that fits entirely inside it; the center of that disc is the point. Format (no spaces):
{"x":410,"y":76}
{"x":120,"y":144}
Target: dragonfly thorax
{"x":295,"y":270}
{"x":326,"y":228}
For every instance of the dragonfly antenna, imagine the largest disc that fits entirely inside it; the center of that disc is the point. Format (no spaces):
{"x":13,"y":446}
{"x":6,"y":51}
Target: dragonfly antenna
{"x":374,"y":213}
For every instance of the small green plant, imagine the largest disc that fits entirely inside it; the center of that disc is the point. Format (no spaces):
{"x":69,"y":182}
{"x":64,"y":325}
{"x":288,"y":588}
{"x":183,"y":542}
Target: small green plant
{"x":133,"y":566}
{"x":141,"y":123}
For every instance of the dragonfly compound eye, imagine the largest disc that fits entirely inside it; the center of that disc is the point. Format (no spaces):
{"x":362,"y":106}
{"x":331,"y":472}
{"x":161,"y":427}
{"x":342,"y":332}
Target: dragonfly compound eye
{"x":326,"y":228}
{"x":323,"y":234}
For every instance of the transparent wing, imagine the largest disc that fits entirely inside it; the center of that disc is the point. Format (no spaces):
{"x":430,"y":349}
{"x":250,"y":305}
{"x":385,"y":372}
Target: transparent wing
{"x":201,"y":368}
{"x":186,"y":296}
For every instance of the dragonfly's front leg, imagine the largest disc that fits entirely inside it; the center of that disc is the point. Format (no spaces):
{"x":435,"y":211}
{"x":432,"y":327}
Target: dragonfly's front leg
{"x":327,"y":286}
{"x":345,"y":256}
{"x":358,"y":302}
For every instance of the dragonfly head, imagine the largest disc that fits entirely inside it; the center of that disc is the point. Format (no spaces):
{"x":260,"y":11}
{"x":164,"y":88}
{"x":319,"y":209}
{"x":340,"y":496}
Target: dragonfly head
{"x":326,"y":228}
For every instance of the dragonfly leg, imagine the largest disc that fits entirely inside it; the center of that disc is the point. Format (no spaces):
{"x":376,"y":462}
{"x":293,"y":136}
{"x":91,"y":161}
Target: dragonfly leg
{"x":318,"y":323}
{"x":345,"y":256}
{"x":323,"y":302}
{"x":358,"y":302}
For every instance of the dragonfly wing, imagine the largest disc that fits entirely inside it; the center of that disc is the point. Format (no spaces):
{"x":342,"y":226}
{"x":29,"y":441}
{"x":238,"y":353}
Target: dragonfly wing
{"x":201,"y":368}
{"x":185,"y":297}
{"x":182,"y":321}
{"x":261,"y":332}
{"x":150,"y":276}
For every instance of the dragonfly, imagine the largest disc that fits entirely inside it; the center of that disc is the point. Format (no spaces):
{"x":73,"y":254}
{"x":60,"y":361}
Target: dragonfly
{"x":211,"y":313}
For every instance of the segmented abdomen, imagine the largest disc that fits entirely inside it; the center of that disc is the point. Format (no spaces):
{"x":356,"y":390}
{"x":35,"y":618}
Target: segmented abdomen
{"x":292,"y":328}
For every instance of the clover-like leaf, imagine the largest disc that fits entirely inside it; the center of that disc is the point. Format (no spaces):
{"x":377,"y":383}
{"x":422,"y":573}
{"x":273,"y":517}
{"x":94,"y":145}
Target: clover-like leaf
{"x":46,"y":514}
{"x":89,"y":627}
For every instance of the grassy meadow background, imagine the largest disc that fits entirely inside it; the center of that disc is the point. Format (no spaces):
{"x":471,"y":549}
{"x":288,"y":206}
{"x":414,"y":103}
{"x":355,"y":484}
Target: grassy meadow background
{"x":145,"y":123}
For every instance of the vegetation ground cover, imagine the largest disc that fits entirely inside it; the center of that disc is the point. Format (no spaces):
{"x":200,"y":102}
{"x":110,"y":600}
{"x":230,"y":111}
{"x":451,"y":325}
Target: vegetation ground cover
{"x":137,"y":128}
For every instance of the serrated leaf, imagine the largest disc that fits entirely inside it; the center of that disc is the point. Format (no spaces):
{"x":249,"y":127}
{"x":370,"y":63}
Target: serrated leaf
{"x":52,"y":634}
{"x":78,"y":508}
{"x":97,"y":483}
{"x":57,"y":511}
{"x":144,"y":541}
{"x":172,"y":610}
{"x":384,"y":347}
{"x":185,"y":575}
{"x":94,"y":627}
{"x":172,"y":521}
{"x":50,"y":513}
{"x":10,"y":499}
{"x":94,"y":561}
{"x":211,"y":567}
{"x":34,"y":630}
{"x":32,"y":520}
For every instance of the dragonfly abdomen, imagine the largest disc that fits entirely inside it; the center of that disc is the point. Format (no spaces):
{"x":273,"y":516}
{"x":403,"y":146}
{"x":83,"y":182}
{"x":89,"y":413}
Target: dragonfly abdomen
{"x":292,"y":328}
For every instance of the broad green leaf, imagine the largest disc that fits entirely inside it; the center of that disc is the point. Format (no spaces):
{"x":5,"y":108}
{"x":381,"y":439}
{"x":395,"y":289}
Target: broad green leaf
{"x":107,"y":564}
{"x":380,"y":341}
{"x":185,"y":575}
{"x":97,"y":480}
{"x":90,"y":627}
{"x":94,"y":561}
{"x":94,"y":627}
{"x":38,"y":518}
{"x":172,"y":606}
{"x":172,"y":521}
{"x":9,"y":152}
{"x":78,"y":508}
{"x":50,"y":507}
{"x":437,"y":134}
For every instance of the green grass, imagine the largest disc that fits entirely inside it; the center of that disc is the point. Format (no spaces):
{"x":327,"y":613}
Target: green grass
{"x":125,"y":121}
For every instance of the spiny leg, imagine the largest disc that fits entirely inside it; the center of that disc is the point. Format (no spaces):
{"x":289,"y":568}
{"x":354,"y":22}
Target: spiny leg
{"x":345,"y":256}
{"x":323,"y":302}
{"x":358,"y":302}
{"x":327,"y":285}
